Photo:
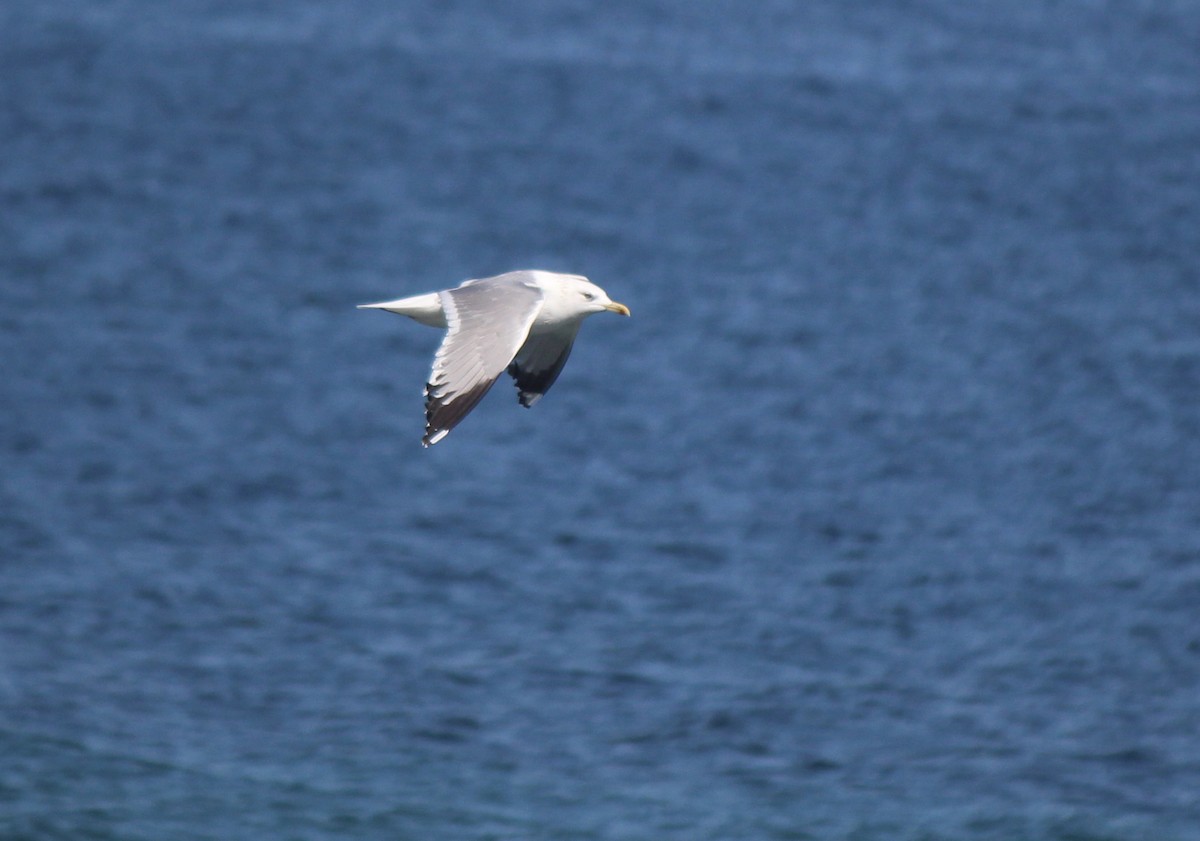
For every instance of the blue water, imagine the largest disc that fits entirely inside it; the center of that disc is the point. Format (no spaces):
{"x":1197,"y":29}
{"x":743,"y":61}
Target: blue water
{"x":879,"y":520}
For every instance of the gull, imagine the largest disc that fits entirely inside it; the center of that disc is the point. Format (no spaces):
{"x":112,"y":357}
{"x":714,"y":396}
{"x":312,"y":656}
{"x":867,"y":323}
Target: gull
{"x":523,"y":322}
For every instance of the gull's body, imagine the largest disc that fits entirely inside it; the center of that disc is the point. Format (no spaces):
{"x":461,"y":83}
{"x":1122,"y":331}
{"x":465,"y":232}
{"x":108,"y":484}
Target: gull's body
{"x":521,"y":322}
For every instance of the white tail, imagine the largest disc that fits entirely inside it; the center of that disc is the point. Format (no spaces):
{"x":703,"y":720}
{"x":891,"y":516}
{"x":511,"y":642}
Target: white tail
{"x":426,"y":309}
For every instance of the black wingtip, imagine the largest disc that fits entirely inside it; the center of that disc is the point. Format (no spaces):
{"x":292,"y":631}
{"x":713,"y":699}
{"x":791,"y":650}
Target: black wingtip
{"x":529,"y":398}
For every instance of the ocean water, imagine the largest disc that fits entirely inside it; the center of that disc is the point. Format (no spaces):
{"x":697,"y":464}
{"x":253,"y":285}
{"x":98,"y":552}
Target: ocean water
{"x":878,"y":521}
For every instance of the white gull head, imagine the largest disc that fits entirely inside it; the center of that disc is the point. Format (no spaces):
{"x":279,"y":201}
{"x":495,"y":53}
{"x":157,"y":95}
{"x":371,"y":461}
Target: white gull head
{"x":570,"y":297}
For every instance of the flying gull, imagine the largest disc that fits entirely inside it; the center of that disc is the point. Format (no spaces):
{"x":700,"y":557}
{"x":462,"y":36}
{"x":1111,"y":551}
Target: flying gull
{"x":521,"y":322}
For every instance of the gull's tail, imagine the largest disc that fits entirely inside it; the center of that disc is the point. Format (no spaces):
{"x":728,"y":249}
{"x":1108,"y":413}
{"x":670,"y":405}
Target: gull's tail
{"x":427,"y":309}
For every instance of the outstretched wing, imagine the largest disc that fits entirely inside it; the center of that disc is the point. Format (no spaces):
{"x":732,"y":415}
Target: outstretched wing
{"x":488,"y":322}
{"x":539,"y":362}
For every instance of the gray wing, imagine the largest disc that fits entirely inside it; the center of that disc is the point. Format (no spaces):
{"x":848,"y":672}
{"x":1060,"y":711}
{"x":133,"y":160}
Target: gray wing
{"x":488,"y":322}
{"x":539,"y":362}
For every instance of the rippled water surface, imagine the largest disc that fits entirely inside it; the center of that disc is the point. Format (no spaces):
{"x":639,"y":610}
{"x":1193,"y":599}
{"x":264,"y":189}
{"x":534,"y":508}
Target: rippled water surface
{"x":879,"y":520}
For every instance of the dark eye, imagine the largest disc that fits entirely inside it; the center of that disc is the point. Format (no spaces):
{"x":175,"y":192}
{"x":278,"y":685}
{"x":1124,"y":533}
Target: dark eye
{"x":589,"y":296}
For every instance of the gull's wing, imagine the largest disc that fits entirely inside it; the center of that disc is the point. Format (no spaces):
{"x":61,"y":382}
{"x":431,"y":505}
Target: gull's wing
{"x":488,"y":322}
{"x":539,"y":361}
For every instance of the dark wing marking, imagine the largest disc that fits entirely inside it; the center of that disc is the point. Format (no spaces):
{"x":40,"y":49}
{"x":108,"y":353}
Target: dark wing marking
{"x":488,"y":322}
{"x":539,"y":362}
